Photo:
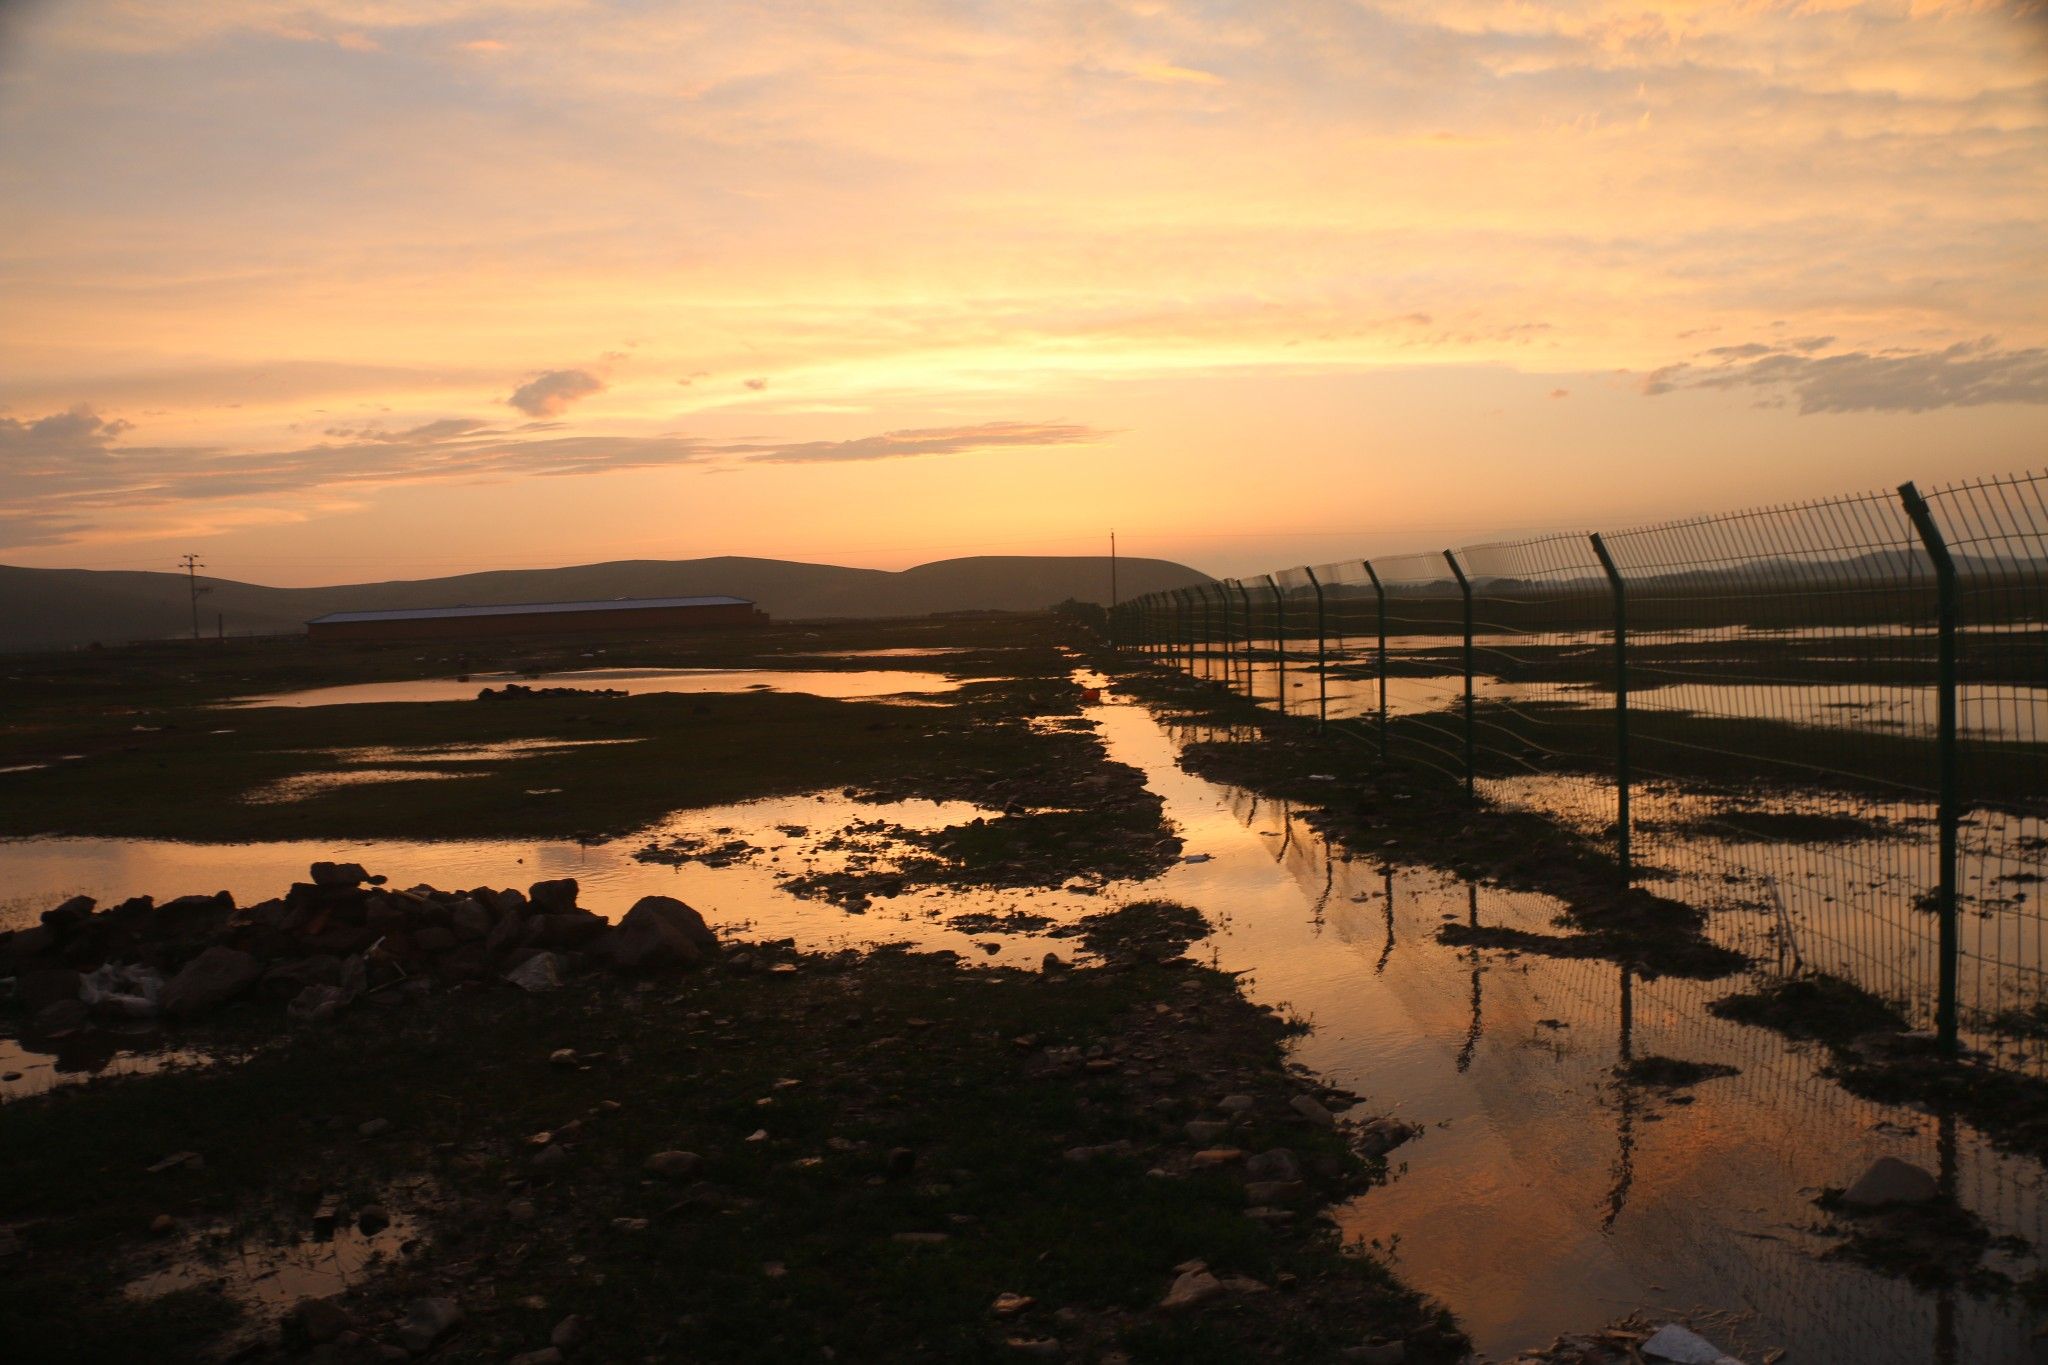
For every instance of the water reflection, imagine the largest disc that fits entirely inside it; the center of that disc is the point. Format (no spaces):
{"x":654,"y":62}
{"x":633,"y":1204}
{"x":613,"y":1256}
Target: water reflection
{"x":848,"y":685}
{"x":1550,"y":1191}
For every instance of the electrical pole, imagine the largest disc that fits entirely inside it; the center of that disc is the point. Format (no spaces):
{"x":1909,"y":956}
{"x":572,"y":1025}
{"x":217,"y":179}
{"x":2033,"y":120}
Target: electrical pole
{"x":1112,"y":588}
{"x":192,"y":568}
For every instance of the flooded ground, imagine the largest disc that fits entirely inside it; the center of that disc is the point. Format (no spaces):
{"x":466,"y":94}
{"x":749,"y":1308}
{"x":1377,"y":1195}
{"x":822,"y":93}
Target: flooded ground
{"x":847,"y":685}
{"x":1547,"y":1194}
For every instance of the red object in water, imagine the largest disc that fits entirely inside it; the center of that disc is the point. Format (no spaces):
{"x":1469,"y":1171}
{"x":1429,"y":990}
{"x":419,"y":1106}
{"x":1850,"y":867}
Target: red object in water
{"x":1091,"y":694}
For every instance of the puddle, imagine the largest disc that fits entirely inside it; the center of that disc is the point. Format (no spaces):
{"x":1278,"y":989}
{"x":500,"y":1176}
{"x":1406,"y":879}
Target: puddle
{"x":30,"y":1066}
{"x":852,"y":684}
{"x":270,"y":1270}
{"x":1547,"y":1194}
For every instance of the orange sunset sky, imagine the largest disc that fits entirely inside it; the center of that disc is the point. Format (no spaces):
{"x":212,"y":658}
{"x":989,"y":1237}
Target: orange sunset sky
{"x":341,"y":289}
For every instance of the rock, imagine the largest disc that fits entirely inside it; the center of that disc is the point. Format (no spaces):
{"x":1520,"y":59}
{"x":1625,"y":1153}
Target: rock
{"x":434,"y":940}
{"x":546,"y":1355}
{"x":70,"y":914}
{"x":1678,"y":1346}
{"x":1377,"y":1353}
{"x":372,"y":1219}
{"x":60,"y":1018}
{"x":538,"y":974}
{"x":189,"y":919}
{"x":505,"y":935}
{"x":317,"y":1320}
{"x":1268,"y":1193}
{"x":570,"y":1332}
{"x":562,"y":1056}
{"x":1192,"y":1289}
{"x":163,"y":1225}
{"x":1052,"y":963}
{"x":332,"y":875}
{"x":469,"y":919}
{"x":316,"y":1004}
{"x":374,"y":1127}
{"x":210,"y":980}
{"x":426,"y":1322}
{"x":676,"y":916}
{"x":553,"y":898}
{"x":1384,"y":1135}
{"x":1311,"y":1108}
{"x":1237,"y":1104}
{"x":1035,"y":1348}
{"x":288,"y":980}
{"x":52,"y":985}
{"x":1009,"y":1305}
{"x":902,"y":1161}
{"x":1278,"y":1164}
{"x":521,"y":1211}
{"x":178,"y":1160}
{"x":673,"y":1165}
{"x":1889,"y":1180}
{"x":629,"y":1225}
{"x":1206,"y":1131}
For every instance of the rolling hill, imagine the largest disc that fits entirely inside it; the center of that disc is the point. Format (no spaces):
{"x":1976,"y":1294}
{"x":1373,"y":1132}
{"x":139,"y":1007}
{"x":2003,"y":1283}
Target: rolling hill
{"x":56,"y":608}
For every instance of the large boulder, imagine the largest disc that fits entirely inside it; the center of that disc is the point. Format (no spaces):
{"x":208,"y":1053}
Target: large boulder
{"x":563,"y":930}
{"x":331,"y":875}
{"x":1889,"y":1180}
{"x":647,"y":941}
{"x":209,"y":980}
{"x":677,"y":916}
{"x":553,"y":898}
{"x":191,"y":918}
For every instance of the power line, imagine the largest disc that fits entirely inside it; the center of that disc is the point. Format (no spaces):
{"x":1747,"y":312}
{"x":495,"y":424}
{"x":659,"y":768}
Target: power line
{"x":192,"y":568}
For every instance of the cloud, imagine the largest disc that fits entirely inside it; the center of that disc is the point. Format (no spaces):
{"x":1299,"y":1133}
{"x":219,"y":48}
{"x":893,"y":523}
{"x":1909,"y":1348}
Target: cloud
{"x":1966,"y":374}
{"x":551,"y":393}
{"x":897,"y":445}
{"x":59,"y":470}
{"x":757,"y":384}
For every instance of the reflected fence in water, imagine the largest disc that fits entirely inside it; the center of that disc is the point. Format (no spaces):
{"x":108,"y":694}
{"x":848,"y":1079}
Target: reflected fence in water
{"x":1827,"y":719}
{"x":1602,"y":1016}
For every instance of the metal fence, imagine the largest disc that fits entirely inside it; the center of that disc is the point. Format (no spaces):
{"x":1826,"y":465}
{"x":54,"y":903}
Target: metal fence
{"x":1824,"y":721}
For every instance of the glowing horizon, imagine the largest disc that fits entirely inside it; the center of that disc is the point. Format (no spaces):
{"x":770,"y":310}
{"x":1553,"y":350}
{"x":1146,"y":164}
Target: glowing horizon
{"x":351,"y":289}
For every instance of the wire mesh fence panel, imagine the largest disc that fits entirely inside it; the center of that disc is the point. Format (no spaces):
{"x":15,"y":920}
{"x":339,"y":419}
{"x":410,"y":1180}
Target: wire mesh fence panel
{"x":1353,"y":681}
{"x":1781,"y":674}
{"x":1425,"y":666}
{"x":1996,"y":534}
{"x":1298,"y":676}
{"x":1545,"y":684}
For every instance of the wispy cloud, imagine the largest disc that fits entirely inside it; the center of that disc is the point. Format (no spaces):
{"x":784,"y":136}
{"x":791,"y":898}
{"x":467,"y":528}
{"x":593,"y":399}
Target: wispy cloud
{"x":60,"y":469}
{"x":898,"y":445}
{"x":1966,"y":374}
{"x":553,"y":393}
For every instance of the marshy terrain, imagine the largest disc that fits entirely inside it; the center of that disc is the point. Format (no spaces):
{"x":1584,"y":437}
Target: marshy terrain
{"x":1050,"y":1005}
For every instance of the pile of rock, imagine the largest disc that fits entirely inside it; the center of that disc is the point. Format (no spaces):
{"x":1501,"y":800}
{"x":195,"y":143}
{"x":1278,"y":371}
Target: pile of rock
{"x":328,"y":942}
{"x":520,"y":692}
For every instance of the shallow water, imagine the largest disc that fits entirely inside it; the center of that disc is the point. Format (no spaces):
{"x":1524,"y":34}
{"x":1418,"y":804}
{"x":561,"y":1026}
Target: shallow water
{"x":1545,"y":1195}
{"x":848,"y":685}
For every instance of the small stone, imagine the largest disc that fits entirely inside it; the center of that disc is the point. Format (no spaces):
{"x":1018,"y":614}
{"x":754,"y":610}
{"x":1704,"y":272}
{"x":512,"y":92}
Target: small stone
{"x":374,"y":1128}
{"x":1009,"y":1305}
{"x":547,"y":1158}
{"x":1311,"y":1108}
{"x":177,"y":1161}
{"x":1266,"y":1193}
{"x":562,"y":1056}
{"x":521,"y":1211}
{"x":922,"y":1239}
{"x":902,"y":1161}
{"x":1206,"y":1131}
{"x":1192,"y":1289}
{"x":1889,"y":1180}
{"x":673,"y":1165}
{"x":426,"y":1322}
{"x":571,"y":1332}
{"x":163,"y":1225}
{"x":546,"y":1355}
{"x":318,"y":1320}
{"x":629,"y":1225}
{"x":1277,"y":1164}
{"x":1035,"y":1348}
{"x":1237,"y":1104}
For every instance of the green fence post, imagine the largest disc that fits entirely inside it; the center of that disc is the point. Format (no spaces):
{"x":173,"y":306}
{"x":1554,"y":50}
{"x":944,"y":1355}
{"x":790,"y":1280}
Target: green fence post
{"x":1623,"y":852}
{"x":1322,"y":654}
{"x":1949,"y":811}
{"x":1280,"y":636}
{"x":1379,"y":590}
{"x":1465,"y":587}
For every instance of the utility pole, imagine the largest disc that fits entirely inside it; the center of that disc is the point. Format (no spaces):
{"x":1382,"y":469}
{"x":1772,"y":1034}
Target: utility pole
{"x":1112,"y":587}
{"x":192,"y":568}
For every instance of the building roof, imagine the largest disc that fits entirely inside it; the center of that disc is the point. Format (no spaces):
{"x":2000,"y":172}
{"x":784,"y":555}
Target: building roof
{"x":528,"y":609}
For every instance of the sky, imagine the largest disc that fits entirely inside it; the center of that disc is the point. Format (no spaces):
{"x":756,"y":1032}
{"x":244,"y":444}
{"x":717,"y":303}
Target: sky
{"x":338,"y":290}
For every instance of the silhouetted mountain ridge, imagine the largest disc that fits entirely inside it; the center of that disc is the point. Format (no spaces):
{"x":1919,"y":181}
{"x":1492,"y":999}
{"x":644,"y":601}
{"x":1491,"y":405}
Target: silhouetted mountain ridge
{"x":54,"y":608}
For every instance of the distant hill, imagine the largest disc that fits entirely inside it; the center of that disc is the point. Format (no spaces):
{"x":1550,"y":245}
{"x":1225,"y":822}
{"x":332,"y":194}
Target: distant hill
{"x":54,"y":608}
